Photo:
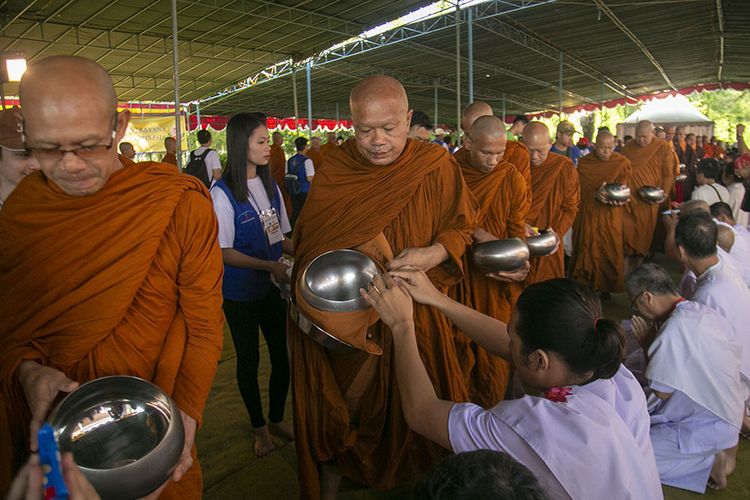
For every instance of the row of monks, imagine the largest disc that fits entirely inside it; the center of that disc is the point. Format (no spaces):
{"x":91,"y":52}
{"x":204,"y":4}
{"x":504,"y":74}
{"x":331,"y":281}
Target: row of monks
{"x":118,"y":270}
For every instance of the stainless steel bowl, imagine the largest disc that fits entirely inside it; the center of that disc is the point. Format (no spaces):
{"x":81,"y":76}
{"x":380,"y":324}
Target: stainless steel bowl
{"x":500,"y":255}
{"x":125,"y":433}
{"x":651,"y":194}
{"x":332,"y":281}
{"x":544,"y":244}
{"x":614,"y":191}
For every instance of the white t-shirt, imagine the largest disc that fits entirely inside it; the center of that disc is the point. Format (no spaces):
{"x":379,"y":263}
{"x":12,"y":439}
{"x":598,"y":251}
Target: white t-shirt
{"x":225,"y":212}
{"x":736,"y":195}
{"x":212,"y":161}
{"x":711,"y":193}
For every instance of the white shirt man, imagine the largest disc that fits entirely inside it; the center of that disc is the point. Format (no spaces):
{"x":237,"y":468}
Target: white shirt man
{"x":711,"y":193}
{"x":213,"y":164}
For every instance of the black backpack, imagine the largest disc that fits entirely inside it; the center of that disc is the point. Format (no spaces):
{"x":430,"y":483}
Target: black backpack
{"x":197,"y":167}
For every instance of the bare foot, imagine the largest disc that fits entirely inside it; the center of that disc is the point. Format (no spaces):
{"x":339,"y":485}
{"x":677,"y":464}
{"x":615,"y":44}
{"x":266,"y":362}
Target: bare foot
{"x":282,"y":429}
{"x":717,"y":480}
{"x":263,"y":443}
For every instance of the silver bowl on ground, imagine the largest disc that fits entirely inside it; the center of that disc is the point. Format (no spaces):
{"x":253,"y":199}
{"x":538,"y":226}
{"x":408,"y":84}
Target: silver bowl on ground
{"x":125,"y":433}
{"x":651,"y":194}
{"x":500,"y":255}
{"x":544,"y":244}
{"x":614,"y":191}
{"x":332,"y":280}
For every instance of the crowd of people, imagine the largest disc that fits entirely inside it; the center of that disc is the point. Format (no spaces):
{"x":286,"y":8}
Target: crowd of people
{"x":111,"y":267}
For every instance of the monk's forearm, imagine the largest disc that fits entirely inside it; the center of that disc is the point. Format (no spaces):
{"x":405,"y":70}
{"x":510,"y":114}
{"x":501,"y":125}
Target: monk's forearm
{"x":424,"y":412}
{"x":480,"y":236}
{"x":236,"y":258}
{"x":486,"y":331}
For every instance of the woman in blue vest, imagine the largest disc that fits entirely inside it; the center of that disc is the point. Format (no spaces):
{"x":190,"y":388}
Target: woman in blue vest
{"x":252,"y":222}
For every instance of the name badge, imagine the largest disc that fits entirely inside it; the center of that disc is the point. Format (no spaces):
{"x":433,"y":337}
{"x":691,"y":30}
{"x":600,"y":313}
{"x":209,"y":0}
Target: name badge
{"x":271,"y":226}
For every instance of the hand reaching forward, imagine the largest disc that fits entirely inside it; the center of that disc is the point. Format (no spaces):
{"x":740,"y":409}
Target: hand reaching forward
{"x":391,"y":301}
{"x":419,"y":286}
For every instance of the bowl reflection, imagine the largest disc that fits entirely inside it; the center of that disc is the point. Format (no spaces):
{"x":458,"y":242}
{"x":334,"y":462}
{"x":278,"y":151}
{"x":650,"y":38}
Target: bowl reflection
{"x":332,"y":280}
{"x":500,"y":255}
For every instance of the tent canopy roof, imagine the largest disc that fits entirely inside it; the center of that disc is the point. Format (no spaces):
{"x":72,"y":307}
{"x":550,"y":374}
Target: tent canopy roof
{"x":672,"y":109}
{"x":608,"y":48}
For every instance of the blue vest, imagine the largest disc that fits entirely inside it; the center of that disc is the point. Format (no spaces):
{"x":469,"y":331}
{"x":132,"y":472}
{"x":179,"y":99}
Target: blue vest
{"x":242,"y":283}
{"x":296,"y":166}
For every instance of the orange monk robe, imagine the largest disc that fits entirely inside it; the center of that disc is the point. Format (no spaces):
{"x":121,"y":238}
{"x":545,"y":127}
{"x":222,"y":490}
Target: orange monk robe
{"x":347,"y":407}
{"x":170,"y":158}
{"x":327,"y":148}
{"x":517,"y":155}
{"x":316,"y":155}
{"x":653,"y":165}
{"x":126,"y":281}
{"x":277,"y":162}
{"x":501,"y":195}
{"x":125,"y":161}
{"x":555,"y":200}
{"x":708,"y":150}
{"x":598,"y":258}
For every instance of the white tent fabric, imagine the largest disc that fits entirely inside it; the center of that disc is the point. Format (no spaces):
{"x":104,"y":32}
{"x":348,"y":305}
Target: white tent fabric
{"x":672,"y":110}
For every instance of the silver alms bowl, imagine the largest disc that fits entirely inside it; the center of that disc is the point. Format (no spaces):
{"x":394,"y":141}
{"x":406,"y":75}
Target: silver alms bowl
{"x":500,"y":255}
{"x":544,"y":244}
{"x":125,"y":433}
{"x":651,"y":194}
{"x":614,"y":191}
{"x":332,"y":281}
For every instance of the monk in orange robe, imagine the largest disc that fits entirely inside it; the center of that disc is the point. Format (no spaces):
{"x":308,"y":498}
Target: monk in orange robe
{"x":653,"y":164}
{"x":170,"y":146}
{"x":598,"y":258}
{"x":117,"y":270}
{"x":330,"y":145}
{"x":555,"y":198}
{"x":501,"y":193}
{"x":277,"y":162}
{"x":314,"y":152}
{"x":403,"y":203}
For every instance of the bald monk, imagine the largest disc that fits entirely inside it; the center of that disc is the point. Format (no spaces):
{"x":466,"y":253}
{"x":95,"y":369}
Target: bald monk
{"x":501,"y":193}
{"x":132,"y":283}
{"x":654,"y":164}
{"x":127,"y":153}
{"x":277,"y":162}
{"x":598,"y":244}
{"x":555,"y":198}
{"x":170,"y":146}
{"x":515,"y":153}
{"x":330,"y":145}
{"x":315,"y":153}
{"x":403,"y":203}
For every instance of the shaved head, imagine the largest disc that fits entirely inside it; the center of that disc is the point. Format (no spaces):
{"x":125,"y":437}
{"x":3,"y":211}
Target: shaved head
{"x":472,"y":112}
{"x":381,"y":117}
{"x":486,"y":143}
{"x":277,"y":138}
{"x":725,"y":237}
{"x":68,"y":103}
{"x":693,"y":206}
{"x":170,"y":145}
{"x":644,"y":133}
{"x":537,"y":140}
{"x":604,"y":145}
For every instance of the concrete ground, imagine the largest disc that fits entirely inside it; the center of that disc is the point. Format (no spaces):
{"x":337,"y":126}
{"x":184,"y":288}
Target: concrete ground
{"x":231,"y":471}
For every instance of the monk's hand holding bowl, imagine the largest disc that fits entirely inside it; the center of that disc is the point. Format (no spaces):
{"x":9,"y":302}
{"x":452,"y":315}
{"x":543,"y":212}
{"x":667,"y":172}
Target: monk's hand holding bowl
{"x":41,"y":385}
{"x":391,"y":301}
{"x":515,"y":276}
{"x":601,"y":196}
{"x":424,"y":258}
{"x":186,"y":459}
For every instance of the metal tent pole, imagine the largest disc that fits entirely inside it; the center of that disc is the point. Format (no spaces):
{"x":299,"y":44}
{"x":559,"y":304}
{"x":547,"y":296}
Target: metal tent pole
{"x":294,"y":96}
{"x":435,"y":86}
{"x":458,"y":75}
{"x":176,"y":83}
{"x":561,"y":85}
{"x":309,"y":100}
{"x":503,"y":108}
{"x":470,"y":48}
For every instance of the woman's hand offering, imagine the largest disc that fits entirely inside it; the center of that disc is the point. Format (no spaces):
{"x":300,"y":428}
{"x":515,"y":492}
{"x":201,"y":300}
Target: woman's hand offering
{"x":278,"y":269}
{"x":390,"y":300}
{"x":418,"y":285}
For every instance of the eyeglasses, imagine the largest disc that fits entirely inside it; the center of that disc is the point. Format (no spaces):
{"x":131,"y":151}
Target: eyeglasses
{"x":94,"y":151}
{"x":633,"y":303}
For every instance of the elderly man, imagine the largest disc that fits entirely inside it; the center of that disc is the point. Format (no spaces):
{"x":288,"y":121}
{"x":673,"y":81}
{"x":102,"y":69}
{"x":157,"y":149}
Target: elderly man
{"x":501,"y":193}
{"x":132,"y":283}
{"x":654,"y":164}
{"x":170,"y":146}
{"x":403,"y":203}
{"x":598,"y":247}
{"x":696,"y":407}
{"x":555,"y":198}
{"x":420,"y":127}
{"x":15,"y":161}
